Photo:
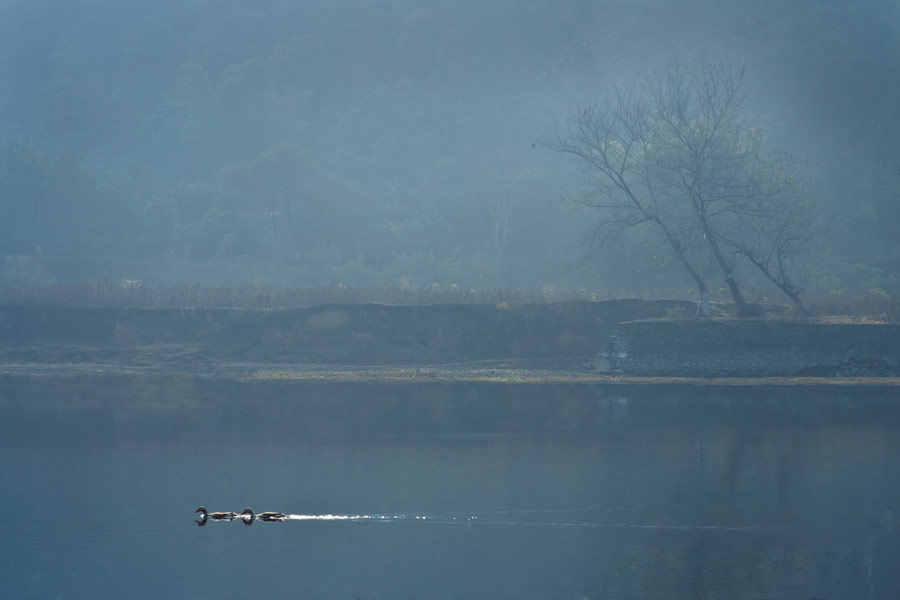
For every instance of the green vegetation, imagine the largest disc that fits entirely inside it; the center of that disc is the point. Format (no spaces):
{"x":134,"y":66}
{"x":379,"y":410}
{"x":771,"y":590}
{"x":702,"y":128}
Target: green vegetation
{"x":390,"y":144}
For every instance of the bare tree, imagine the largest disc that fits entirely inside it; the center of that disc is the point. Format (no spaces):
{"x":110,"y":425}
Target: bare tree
{"x":675,"y":152}
{"x":615,"y":138}
{"x":501,"y":200}
{"x":498,"y":188}
{"x":779,"y":226}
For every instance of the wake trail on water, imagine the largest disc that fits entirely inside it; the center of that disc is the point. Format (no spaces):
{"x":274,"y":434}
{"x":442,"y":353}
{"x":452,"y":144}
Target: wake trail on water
{"x":383,"y":518}
{"x":533,"y":518}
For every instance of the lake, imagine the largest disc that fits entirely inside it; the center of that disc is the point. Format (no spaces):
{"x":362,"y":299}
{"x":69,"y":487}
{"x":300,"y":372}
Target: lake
{"x":448,"y":491}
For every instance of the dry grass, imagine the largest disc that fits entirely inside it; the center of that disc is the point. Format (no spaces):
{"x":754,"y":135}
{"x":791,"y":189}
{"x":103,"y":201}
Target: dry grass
{"x":856,"y":307}
{"x":130,"y":293}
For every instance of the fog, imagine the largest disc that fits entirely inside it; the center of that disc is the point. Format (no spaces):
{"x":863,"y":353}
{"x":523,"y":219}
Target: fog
{"x":397,"y":143}
{"x":390,"y":195}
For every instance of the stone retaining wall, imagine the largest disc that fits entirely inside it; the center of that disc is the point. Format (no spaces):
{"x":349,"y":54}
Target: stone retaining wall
{"x":750,"y":348}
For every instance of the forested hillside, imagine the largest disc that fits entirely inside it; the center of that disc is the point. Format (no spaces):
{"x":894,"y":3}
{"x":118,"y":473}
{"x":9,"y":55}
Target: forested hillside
{"x":393,"y":142}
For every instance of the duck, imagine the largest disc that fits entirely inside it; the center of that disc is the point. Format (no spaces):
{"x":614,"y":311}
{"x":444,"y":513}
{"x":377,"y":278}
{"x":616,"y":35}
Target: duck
{"x":248,"y":516}
{"x":263,"y":516}
{"x":271,"y":516}
{"x":215,"y":516}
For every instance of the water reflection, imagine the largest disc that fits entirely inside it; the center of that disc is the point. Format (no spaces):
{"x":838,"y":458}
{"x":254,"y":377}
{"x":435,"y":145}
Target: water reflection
{"x":643,"y":494}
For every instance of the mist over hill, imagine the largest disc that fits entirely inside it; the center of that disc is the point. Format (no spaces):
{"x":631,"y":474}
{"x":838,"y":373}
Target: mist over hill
{"x":393,"y":142}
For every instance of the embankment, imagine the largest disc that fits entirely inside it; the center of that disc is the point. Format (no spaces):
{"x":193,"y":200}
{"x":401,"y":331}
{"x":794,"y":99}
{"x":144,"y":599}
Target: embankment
{"x":618,"y":337}
{"x":363,"y":334}
{"x":751,"y":348}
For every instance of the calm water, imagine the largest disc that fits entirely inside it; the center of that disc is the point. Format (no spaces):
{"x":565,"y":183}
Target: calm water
{"x":451,"y":492}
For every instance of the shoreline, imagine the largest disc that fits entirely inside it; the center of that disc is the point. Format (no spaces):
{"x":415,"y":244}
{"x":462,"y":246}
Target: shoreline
{"x":417,"y":375}
{"x":591,"y":342}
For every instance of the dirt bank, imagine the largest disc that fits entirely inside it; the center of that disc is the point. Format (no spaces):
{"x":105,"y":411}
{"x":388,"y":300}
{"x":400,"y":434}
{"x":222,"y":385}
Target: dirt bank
{"x":574,"y":339}
{"x":363,"y":334}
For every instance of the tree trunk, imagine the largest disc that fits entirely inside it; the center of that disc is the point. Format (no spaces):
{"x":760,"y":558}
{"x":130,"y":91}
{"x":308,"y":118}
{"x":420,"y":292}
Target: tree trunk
{"x":782,"y":282}
{"x":744,"y":308}
{"x":795,"y":296}
{"x":703,"y":308}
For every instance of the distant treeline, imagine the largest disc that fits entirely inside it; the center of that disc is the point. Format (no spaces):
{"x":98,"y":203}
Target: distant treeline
{"x":305,"y":143}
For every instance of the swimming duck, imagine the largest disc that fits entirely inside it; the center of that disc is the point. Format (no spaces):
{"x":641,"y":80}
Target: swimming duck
{"x":247,"y":517}
{"x":216,"y":516}
{"x":263,"y":516}
{"x":271,"y":516}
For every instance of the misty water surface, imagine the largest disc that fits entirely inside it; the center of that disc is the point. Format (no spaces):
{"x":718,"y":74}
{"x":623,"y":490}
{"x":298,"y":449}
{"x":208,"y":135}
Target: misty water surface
{"x":643,"y":497}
